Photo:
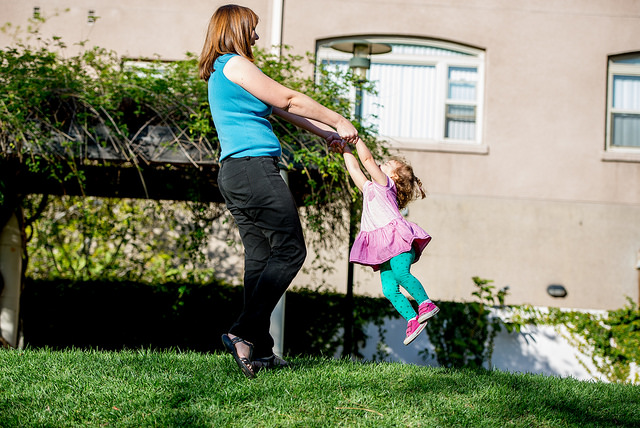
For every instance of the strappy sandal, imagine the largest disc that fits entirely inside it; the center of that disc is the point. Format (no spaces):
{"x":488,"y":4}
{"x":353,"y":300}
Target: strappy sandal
{"x":268,"y":363}
{"x":243,"y":362}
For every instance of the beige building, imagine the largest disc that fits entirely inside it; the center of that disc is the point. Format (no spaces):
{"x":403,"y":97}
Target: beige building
{"x":522,"y":118}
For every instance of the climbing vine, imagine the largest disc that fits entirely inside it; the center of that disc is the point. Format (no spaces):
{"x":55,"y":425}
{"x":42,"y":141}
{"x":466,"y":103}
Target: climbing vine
{"x":463,"y":334}
{"x":611,"y":341}
{"x":61,"y":113}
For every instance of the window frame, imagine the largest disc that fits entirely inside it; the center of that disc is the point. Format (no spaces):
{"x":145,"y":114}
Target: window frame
{"x":470,"y":57}
{"x":614,"y":68}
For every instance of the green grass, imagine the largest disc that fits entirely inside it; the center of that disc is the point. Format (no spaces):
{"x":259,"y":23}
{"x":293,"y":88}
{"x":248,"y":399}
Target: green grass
{"x":146,"y":388}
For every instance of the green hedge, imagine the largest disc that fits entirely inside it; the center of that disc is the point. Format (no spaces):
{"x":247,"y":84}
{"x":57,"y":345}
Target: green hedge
{"x":115,"y":315}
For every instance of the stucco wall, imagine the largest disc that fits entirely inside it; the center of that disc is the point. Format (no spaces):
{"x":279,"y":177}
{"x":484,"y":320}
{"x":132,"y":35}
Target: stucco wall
{"x":167,"y":29}
{"x":542,"y":204}
{"x":527,"y":245}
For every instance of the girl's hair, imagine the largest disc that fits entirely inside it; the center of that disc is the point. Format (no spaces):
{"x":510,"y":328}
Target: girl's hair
{"x":229,"y":31}
{"x":409,"y":186}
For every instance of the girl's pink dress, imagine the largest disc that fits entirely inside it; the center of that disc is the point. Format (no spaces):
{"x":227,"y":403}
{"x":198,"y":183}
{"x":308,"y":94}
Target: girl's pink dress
{"x":384,"y":232}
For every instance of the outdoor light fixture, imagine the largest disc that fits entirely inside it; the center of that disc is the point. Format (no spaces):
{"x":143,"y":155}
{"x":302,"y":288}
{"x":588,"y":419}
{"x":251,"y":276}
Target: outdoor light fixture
{"x":361,"y":50}
{"x":557,"y":290}
{"x":360,"y":62}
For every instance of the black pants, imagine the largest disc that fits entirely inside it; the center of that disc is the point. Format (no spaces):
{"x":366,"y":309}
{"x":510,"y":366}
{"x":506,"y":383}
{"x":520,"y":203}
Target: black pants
{"x":274,"y":248}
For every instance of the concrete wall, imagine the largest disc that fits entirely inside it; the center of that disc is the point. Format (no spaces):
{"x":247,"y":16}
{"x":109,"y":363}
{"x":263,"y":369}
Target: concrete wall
{"x":543,"y":204}
{"x":527,"y":244}
{"x":167,"y":29}
{"x":537,"y":349}
{"x":540,"y":203}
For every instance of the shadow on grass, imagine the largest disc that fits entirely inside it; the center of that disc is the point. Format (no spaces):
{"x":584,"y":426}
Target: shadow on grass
{"x":542,"y":400}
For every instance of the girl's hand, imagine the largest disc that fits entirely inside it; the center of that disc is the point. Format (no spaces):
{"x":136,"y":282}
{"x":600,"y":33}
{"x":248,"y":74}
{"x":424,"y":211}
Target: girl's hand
{"x":331,"y":137}
{"x":337,"y":146}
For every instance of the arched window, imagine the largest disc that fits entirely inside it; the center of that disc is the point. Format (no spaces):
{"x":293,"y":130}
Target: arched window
{"x":429,"y":91}
{"x":623,"y":103}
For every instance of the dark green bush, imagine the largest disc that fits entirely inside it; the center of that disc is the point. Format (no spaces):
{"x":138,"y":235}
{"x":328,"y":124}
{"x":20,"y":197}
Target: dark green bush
{"x":116,"y":315}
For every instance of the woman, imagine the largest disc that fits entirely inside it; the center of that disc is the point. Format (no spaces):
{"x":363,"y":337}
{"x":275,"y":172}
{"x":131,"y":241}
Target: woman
{"x":241,"y":97}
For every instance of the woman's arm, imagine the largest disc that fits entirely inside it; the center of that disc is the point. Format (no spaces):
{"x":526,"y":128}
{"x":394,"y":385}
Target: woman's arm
{"x":244,"y":73}
{"x":318,"y":128}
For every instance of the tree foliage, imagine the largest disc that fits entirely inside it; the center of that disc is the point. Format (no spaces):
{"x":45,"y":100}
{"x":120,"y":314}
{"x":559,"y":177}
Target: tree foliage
{"x":126,"y":240}
{"x":62,"y":112}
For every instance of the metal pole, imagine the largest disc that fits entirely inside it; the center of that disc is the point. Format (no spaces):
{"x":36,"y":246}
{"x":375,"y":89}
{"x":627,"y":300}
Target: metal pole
{"x":360,"y":63}
{"x":349,"y":303}
{"x":347,"y":350}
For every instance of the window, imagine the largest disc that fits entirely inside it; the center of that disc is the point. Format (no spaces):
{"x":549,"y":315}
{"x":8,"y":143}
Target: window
{"x":623,"y":103}
{"x":428,"y":91}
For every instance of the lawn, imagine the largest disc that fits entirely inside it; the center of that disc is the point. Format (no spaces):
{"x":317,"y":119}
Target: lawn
{"x":40,"y":387}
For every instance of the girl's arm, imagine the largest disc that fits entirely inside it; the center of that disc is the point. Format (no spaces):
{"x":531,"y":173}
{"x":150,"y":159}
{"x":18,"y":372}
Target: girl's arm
{"x":353,"y":167}
{"x":370,"y":164}
{"x":244,"y":73}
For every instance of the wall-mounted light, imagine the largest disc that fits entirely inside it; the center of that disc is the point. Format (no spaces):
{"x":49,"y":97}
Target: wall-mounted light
{"x":557,"y":290}
{"x":362,"y":51}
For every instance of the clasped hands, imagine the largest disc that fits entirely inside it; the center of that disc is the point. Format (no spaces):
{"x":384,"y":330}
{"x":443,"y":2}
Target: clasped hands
{"x":337,"y":144}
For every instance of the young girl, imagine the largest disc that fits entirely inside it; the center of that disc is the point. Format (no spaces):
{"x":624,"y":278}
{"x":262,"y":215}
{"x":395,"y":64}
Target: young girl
{"x":387,"y":242}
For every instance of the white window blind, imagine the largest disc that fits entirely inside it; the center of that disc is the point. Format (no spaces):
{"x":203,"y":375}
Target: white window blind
{"x":427,"y":91}
{"x":461,"y":103}
{"x":626,"y":111}
{"x":402,"y":107}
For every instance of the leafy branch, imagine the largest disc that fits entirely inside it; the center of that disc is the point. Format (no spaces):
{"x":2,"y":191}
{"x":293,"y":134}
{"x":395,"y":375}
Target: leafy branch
{"x":62,"y":113}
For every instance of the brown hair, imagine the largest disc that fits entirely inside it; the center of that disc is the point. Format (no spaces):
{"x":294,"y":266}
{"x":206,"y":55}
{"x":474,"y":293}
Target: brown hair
{"x":229,"y":31}
{"x":409,"y":186}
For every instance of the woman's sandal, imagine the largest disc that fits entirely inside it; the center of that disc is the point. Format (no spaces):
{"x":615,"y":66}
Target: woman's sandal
{"x":268,"y":363}
{"x":243,"y":362}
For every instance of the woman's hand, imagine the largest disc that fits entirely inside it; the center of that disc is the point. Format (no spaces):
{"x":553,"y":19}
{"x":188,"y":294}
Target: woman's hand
{"x":347,"y":131}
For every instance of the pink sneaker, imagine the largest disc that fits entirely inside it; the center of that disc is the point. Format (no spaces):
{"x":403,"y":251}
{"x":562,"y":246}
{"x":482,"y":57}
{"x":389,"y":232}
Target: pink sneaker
{"x":414,"y":328}
{"x":426,"y":310}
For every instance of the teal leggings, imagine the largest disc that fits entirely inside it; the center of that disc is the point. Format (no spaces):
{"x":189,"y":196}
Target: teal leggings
{"x":395,"y":273}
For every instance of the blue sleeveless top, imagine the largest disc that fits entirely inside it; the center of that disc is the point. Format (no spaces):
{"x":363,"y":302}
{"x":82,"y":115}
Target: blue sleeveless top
{"x":239,"y":117}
